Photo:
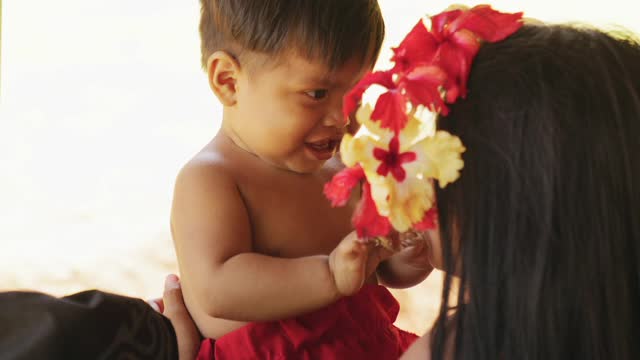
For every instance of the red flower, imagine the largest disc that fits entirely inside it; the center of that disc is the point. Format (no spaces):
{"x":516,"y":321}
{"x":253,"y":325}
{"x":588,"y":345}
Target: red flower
{"x":339,"y":189}
{"x":417,"y":48}
{"x":422,"y":87}
{"x":391,"y":110}
{"x":488,"y":24}
{"x":459,"y":34}
{"x":391,"y":107}
{"x":455,"y":52}
{"x":366,"y":219}
{"x":352,"y":99}
{"x":451,"y":45}
{"x":392,"y":160}
{"x":419,"y":76}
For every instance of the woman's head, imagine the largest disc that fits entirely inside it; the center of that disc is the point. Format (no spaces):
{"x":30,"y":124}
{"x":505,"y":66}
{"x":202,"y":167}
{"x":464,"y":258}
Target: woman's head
{"x":544,"y":222}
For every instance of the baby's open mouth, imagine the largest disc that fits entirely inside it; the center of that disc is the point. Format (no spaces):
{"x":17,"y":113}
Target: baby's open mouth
{"x":326,"y":145}
{"x":323,"y":150}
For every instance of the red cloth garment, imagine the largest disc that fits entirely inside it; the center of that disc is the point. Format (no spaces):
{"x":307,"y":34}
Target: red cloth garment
{"x":355,"y":327}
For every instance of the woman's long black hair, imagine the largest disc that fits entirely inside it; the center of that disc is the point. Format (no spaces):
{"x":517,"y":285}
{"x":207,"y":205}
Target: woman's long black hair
{"x":545,"y":218}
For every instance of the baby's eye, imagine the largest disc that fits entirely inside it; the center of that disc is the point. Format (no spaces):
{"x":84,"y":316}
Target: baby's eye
{"x":317,"y":94}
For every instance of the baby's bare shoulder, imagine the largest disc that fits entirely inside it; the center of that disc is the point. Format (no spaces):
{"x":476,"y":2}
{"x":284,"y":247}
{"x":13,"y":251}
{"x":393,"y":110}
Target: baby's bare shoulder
{"x":206,"y":197}
{"x":208,"y":171}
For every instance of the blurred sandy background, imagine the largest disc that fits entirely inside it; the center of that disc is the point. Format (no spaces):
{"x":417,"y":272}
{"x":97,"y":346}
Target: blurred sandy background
{"x":101,"y":102}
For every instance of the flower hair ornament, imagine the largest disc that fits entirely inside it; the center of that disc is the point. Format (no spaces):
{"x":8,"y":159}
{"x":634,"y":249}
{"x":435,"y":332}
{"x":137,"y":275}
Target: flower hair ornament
{"x":396,"y":156}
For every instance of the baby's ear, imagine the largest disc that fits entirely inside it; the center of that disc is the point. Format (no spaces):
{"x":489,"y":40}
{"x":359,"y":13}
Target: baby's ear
{"x":223,"y":70}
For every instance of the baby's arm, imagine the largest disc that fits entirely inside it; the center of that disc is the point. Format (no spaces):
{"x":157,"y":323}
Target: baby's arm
{"x":408,"y":267}
{"x":221,"y":275}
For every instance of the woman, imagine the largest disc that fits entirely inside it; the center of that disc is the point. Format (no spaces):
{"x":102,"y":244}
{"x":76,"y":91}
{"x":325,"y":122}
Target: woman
{"x":542,"y":230}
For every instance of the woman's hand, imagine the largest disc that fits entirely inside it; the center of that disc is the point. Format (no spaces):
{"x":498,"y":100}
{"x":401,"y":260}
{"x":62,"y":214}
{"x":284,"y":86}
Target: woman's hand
{"x":415,"y":250}
{"x":410,"y":265}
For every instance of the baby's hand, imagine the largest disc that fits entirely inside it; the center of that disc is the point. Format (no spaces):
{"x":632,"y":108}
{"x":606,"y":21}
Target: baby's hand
{"x":353,"y":261}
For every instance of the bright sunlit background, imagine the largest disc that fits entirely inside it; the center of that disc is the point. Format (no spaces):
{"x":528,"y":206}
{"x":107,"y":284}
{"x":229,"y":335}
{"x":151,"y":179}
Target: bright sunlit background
{"x":102,"y":101}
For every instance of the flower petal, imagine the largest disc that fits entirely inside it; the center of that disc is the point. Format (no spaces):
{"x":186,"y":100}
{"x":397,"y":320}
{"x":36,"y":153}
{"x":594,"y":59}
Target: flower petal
{"x":488,"y":24}
{"x":440,"y":22}
{"x":467,"y":42}
{"x":422,"y":86}
{"x":457,"y":64}
{"x":352,"y":98}
{"x":408,"y":202}
{"x":444,"y":157}
{"x":366,"y":219}
{"x":371,"y":127}
{"x":380,"y":187}
{"x":339,"y":189}
{"x":391,"y":111}
{"x":358,"y":150}
{"x":429,"y":221}
{"x":415,"y":131}
{"x":418,"y":47}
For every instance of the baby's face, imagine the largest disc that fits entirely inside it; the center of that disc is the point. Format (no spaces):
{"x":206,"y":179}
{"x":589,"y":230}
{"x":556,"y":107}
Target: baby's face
{"x":290,"y":114}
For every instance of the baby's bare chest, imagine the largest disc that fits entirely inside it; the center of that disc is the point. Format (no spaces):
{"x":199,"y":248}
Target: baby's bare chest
{"x":292,"y":217}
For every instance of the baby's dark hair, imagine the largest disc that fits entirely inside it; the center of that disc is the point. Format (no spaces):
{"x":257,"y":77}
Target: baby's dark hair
{"x":545,"y":217}
{"x":334,"y":31}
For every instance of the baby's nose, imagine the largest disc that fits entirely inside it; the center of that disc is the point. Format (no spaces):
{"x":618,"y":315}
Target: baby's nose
{"x":334,"y":116}
{"x":335,"y":120}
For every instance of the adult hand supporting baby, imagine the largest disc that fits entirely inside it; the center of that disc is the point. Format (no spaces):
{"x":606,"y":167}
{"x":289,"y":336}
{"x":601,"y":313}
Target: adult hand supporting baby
{"x":172,"y":306}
